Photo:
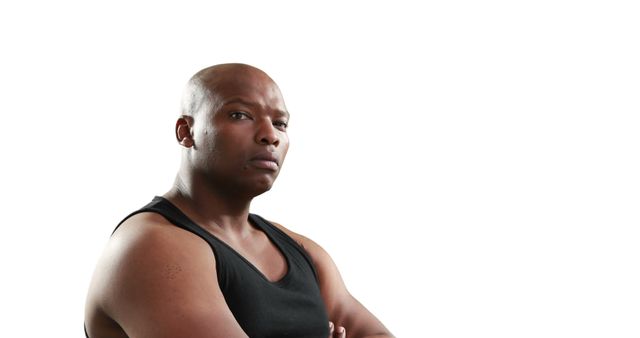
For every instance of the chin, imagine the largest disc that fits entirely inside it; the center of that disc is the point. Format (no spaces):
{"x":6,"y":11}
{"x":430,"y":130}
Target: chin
{"x":261,"y":186}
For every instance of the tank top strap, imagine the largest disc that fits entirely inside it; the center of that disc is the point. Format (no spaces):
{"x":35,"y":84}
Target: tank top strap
{"x":292,"y":248}
{"x":162,"y":206}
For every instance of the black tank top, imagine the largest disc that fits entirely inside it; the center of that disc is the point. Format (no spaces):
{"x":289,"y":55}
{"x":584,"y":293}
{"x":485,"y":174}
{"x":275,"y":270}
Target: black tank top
{"x":289,"y":307}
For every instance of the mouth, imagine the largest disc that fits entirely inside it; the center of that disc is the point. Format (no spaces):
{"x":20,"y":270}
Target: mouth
{"x":266,"y":161}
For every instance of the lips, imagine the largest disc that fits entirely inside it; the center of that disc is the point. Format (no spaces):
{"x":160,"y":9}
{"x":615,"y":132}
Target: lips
{"x":265,"y":160}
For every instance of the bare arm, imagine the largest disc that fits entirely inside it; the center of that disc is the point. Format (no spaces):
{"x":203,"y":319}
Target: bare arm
{"x":343,"y":309}
{"x":157,"y":280}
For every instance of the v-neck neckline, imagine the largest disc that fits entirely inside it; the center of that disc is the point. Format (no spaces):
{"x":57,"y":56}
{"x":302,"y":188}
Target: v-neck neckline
{"x":255,"y":221}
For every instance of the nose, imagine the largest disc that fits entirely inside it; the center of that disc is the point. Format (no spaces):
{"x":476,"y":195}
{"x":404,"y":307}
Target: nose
{"x":267,"y":134}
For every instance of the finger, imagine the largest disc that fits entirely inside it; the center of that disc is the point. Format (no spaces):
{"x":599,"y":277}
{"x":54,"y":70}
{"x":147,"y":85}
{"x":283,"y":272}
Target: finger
{"x":342,"y":332}
{"x":331,"y":327}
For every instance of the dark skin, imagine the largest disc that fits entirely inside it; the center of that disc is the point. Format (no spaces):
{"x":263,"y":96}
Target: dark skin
{"x":157,"y":280}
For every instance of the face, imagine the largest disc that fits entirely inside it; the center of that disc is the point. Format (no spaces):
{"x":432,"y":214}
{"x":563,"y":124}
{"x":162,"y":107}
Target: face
{"x":240,"y":138}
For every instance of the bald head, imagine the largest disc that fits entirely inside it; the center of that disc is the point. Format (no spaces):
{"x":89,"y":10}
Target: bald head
{"x":207,"y":88}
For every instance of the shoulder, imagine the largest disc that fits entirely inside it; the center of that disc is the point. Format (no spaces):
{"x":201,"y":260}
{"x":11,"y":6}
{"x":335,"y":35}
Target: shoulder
{"x":147,"y":229}
{"x":147,"y":243}
{"x":154,"y":272}
{"x":144,"y":246}
{"x":312,"y":248}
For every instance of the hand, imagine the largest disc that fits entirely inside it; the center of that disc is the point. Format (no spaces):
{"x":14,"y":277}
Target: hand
{"x":339,"y":332}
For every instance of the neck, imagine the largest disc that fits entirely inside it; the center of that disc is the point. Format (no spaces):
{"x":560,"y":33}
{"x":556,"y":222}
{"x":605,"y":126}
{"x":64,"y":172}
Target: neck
{"x":208,"y":206}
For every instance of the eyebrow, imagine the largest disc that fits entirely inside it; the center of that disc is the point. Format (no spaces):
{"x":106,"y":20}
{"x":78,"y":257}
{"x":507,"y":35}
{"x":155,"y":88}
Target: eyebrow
{"x":253,"y":104}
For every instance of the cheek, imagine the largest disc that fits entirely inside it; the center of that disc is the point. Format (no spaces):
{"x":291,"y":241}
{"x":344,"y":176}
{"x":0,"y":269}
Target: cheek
{"x":209,"y":139}
{"x":207,"y":144}
{"x":284,"y":140}
{"x":230,"y":146}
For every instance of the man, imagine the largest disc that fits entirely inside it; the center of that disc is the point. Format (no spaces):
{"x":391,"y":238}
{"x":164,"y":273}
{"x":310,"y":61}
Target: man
{"x":194,"y":262}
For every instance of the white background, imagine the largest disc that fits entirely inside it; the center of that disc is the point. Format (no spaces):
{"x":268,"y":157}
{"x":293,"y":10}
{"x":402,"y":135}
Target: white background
{"x":472,"y":166}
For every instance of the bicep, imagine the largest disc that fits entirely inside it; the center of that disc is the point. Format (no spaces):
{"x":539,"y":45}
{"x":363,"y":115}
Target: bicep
{"x":163,"y":284}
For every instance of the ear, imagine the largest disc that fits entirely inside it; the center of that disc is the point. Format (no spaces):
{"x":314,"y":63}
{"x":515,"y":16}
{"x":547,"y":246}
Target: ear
{"x":183,"y":131}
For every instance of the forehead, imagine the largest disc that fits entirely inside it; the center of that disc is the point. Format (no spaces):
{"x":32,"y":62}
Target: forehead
{"x":247,"y":87}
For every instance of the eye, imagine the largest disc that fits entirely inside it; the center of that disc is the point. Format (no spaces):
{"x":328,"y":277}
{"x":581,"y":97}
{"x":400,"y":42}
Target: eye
{"x":281,"y":124}
{"x":239,"y":115}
